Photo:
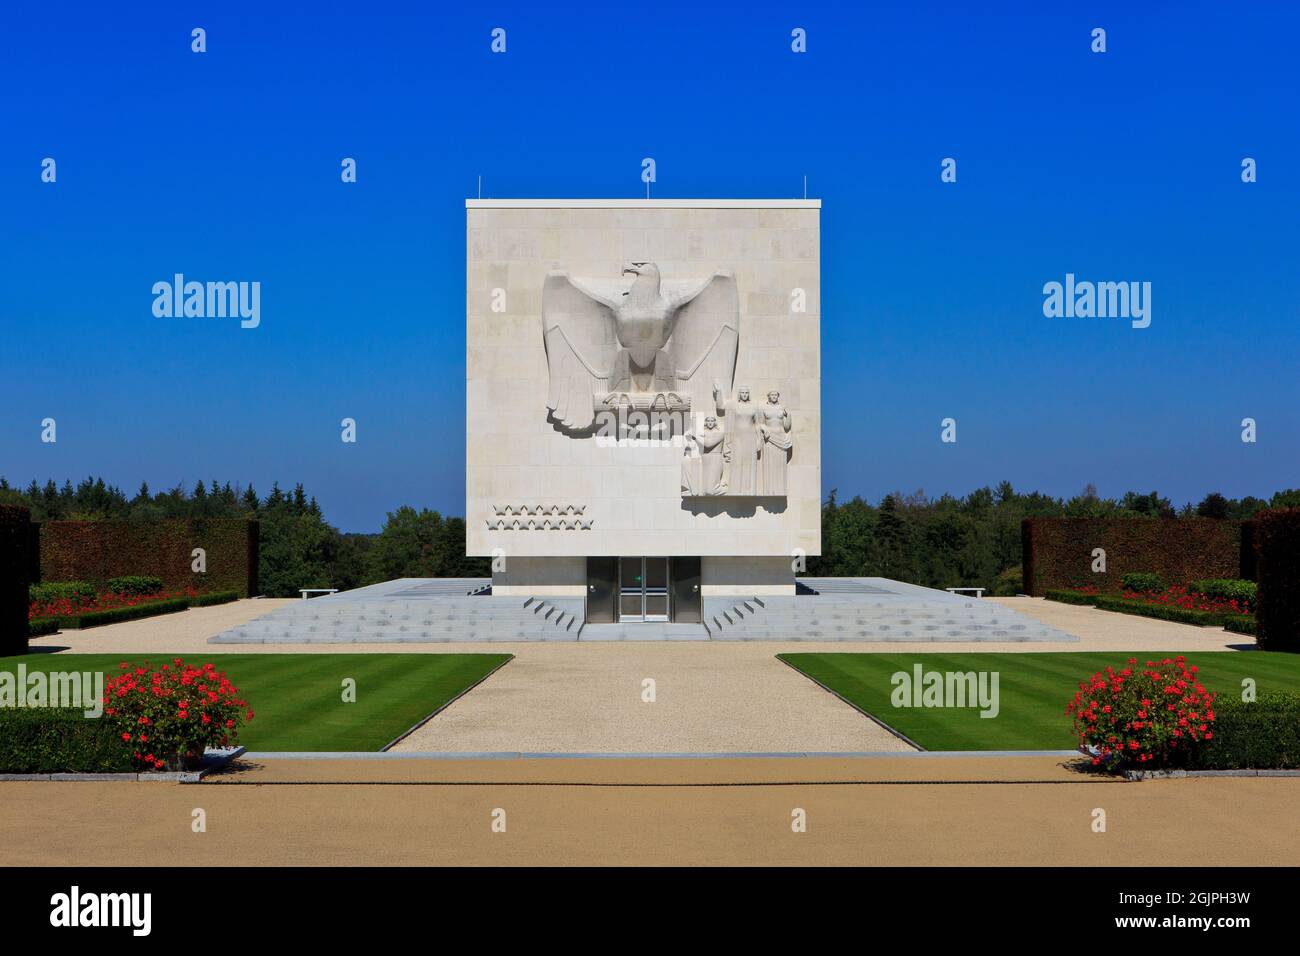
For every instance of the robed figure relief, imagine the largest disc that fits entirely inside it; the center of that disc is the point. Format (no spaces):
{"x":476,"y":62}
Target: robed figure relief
{"x":774,"y":454}
{"x":702,"y":473}
{"x":743,"y":441}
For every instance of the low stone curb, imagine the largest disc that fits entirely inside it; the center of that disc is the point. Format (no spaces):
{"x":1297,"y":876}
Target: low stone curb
{"x":212,"y":760}
{"x":637,"y":755}
{"x":1174,"y":774}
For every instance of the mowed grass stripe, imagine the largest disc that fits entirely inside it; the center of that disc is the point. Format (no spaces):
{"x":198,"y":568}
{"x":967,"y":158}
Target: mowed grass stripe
{"x":298,"y":698}
{"x":1033,"y":690}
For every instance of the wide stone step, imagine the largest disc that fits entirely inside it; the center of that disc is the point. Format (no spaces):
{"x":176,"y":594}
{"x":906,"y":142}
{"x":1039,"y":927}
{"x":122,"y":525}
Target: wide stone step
{"x":439,"y":611}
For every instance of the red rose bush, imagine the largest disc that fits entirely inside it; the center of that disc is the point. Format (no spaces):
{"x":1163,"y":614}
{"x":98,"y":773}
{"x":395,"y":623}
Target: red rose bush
{"x":1153,"y":716}
{"x":169,"y":715}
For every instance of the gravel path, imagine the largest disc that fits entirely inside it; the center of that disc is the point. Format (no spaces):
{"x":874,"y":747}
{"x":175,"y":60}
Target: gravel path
{"x":691,"y":816}
{"x":590,"y":699}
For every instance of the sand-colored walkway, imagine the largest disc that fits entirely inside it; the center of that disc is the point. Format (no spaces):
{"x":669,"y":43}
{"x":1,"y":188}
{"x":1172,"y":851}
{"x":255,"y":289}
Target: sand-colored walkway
{"x":659,"y":813}
{"x":592,"y":699}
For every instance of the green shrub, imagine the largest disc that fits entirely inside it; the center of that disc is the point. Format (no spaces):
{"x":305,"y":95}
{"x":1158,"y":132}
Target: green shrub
{"x":1164,"y":612}
{"x":1142,"y":581}
{"x":1070,"y":597}
{"x":1008,"y":583}
{"x":1241,"y":624}
{"x":117,"y":614}
{"x":79,"y":592}
{"x":1228,"y":589}
{"x":1261,"y":735}
{"x":42,"y":625}
{"x":135,"y":584}
{"x":59,"y":740}
{"x":216,"y":597}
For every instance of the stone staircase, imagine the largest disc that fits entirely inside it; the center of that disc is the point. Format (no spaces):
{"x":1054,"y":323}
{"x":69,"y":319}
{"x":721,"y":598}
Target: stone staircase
{"x":414,"y":612}
{"x":871,"y":609}
{"x":418,"y":611}
{"x":728,"y":614}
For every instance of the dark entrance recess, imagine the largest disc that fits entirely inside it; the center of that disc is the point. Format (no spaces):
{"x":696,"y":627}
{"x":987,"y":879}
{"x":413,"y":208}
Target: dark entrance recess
{"x":602,"y":590}
{"x":685,"y":579}
{"x":643,"y":589}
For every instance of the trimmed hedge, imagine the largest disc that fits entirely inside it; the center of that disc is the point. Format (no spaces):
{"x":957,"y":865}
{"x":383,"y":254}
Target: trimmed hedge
{"x":1071,"y":597}
{"x":59,"y":740}
{"x":15,"y":541}
{"x":1228,"y":589}
{"x":1164,"y":612}
{"x":1241,"y":624}
{"x":139,"y":584}
{"x":1057,"y":552}
{"x":47,"y":591}
{"x":1142,"y":581}
{"x":99,"y":551}
{"x":217,"y":597}
{"x":1238,"y":623}
{"x":1260,"y":735}
{"x":118,"y":614}
{"x":1277,"y":543}
{"x":42,"y":626}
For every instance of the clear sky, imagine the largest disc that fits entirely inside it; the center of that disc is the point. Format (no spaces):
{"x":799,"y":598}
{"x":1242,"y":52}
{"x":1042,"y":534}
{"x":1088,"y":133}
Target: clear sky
{"x":1122,"y":166}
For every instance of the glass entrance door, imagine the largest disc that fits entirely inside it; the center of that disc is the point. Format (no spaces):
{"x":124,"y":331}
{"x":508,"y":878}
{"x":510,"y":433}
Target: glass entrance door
{"x":643,"y":589}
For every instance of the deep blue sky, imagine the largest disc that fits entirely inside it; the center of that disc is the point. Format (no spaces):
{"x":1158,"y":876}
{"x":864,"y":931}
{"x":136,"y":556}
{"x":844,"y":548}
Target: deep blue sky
{"x":225,"y":165}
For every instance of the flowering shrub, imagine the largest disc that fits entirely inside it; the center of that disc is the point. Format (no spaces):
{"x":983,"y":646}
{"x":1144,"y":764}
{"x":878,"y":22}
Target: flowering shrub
{"x":1179,"y":596}
{"x":75,"y":604}
{"x":1245,"y":593}
{"x":1152,"y":716}
{"x":169,"y":715}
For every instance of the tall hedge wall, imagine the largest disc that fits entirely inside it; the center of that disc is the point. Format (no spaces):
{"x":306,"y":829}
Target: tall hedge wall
{"x":98,"y":550}
{"x":1057,"y":552}
{"x":1277,"y":616}
{"x":15,"y":566}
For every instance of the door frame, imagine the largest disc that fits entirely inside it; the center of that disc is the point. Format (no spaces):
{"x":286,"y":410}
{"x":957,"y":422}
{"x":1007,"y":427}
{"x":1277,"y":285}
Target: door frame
{"x":645,"y":592}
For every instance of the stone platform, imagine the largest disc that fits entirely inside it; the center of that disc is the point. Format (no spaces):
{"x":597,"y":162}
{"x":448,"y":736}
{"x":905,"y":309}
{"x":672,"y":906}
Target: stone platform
{"x":450,"y":610}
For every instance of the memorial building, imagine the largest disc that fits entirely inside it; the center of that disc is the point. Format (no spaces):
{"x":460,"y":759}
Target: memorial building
{"x":643,"y":400}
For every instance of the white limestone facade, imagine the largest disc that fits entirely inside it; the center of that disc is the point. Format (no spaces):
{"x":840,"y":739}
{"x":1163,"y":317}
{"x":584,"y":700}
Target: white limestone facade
{"x":564,"y":300}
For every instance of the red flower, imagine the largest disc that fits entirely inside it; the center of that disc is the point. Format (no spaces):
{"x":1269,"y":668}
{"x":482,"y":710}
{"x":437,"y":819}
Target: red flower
{"x":159,"y":699}
{"x":1163,"y":736}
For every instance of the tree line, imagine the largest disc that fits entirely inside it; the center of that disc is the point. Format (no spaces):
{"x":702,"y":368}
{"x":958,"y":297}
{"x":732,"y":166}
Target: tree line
{"x":298,"y":547}
{"x":972,"y":541}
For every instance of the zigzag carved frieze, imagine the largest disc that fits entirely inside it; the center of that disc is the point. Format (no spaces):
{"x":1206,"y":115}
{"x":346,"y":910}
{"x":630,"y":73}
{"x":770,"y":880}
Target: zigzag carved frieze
{"x":539,"y":518}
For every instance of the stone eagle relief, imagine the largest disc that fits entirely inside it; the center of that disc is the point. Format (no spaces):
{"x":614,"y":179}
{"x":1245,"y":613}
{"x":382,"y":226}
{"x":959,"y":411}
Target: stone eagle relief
{"x":656,"y":346}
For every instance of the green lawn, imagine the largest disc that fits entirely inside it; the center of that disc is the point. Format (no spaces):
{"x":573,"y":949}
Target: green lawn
{"x":297,"y":698}
{"x":1033,"y":691}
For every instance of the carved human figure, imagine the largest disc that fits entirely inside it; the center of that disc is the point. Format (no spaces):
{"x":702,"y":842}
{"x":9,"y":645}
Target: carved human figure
{"x":743,"y":441}
{"x":703,"y":475}
{"x":774,"y":453}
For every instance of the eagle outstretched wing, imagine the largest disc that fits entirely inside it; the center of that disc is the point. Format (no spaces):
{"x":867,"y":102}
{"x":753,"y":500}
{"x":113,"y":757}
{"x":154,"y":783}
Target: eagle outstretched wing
{"x":705,"y":337}
{"x":579,"y":329}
